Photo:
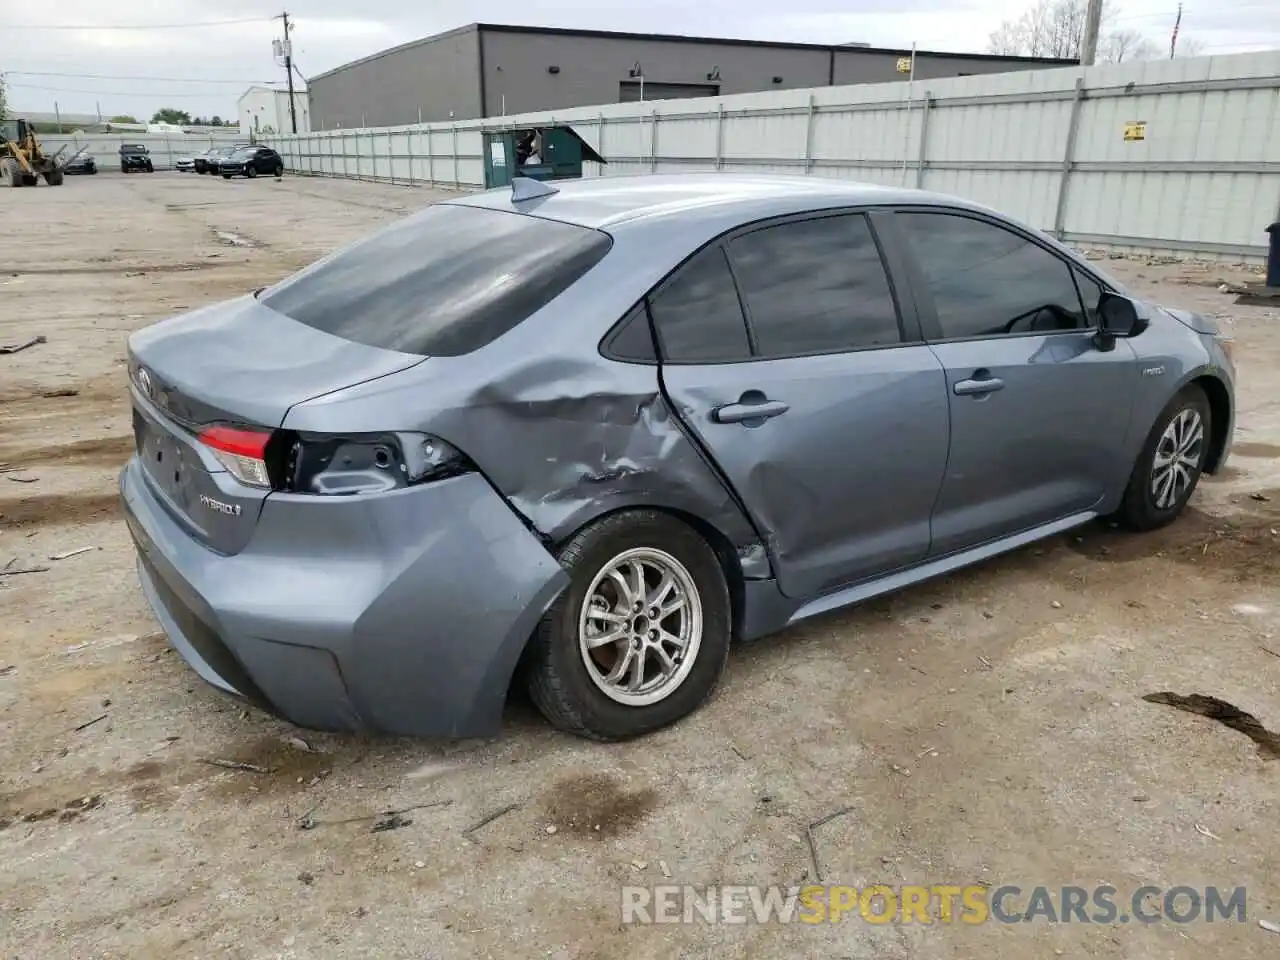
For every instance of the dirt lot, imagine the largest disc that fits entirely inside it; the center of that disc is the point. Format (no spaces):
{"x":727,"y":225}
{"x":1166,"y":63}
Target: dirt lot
{"x":986,"y":728}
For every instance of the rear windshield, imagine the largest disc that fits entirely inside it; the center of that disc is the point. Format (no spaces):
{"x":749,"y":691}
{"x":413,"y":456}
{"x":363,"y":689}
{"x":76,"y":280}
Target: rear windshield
{"x":443,"y":282}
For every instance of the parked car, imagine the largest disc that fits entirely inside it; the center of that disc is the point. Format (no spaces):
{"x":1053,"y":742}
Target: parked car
{"x":185,"y":164}
{"x":82,"y":162}
{"x":250,"y":162}
{"x":208,"y":161}
{"x":135,"y":156}
{"x":585,"y":437}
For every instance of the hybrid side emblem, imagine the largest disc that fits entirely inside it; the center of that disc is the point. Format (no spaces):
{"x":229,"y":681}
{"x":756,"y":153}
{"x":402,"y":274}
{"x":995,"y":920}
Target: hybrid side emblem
{"x":229,"y":509}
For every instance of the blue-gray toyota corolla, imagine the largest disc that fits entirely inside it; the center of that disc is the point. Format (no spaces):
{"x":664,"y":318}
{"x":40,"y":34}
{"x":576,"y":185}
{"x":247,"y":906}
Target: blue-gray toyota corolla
{"x":580,"y":437}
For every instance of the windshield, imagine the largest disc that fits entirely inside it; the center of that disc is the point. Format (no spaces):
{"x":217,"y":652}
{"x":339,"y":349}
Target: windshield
{"x":442,"y":282}
{"x":244,"y":153}
{"x":133,"y":148}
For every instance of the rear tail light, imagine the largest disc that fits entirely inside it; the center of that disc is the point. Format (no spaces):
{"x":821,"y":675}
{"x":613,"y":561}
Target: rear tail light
{"x":331,"y":465}
{"x":242,"y":452}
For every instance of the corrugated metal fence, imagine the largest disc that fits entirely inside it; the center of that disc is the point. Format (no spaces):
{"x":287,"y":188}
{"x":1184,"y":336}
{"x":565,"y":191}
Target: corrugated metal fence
{"x":1175,"y":156}
{"x":165,"y":149}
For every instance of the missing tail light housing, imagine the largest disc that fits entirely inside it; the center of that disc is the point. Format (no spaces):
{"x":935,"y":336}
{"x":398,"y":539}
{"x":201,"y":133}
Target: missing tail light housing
{"x":366,"y":463}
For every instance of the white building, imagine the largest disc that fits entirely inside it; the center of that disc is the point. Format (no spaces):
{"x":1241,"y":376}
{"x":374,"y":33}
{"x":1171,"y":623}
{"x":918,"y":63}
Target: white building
{"x":265,"y":110}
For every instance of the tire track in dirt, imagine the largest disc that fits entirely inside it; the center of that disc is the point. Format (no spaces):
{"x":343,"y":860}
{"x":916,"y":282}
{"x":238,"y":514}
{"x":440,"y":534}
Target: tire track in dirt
{"x":98,"y":451}
{"x":58,"y":509}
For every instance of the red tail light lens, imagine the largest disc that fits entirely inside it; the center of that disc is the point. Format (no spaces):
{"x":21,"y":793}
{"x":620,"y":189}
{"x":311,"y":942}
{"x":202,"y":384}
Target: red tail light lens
{"x":242,"y":452}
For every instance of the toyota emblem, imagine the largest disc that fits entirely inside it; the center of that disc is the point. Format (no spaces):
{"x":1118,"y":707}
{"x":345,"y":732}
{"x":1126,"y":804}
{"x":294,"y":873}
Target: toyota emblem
{"x":144,"y":381}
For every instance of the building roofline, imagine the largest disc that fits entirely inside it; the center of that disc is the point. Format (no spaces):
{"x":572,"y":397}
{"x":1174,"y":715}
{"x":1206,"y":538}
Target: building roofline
{"x":679,"y":38}
{"x":469,"y":28}
{"x":779,"y":44}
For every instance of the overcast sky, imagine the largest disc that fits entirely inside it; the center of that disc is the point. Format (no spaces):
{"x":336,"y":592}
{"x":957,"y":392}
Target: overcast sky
{"x":332,"y":32}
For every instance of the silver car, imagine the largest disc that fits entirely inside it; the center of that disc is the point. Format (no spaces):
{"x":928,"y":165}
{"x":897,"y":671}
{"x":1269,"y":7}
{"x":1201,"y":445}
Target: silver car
{"x":582,"y":437}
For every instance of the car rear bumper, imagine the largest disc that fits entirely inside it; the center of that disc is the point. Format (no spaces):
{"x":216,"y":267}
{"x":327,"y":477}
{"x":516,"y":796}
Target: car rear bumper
{"x":403,"y":613}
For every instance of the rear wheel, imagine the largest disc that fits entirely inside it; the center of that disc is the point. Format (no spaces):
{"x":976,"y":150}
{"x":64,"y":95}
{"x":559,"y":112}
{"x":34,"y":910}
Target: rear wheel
{"x":640,"y":637}
{"x":30,"y":180}
{"x":1170,"y":463}
{"x":53,"y":178}
{"x":279,"y":171}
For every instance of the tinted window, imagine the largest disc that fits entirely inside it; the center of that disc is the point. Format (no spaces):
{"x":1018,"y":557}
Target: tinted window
{"x":987,"y":281}
{"x":443,"y":282}
{"x":815,"y":286}
{"x":632,"y":340}
{"x":1090,"y":293}
{"x":697,"y":314}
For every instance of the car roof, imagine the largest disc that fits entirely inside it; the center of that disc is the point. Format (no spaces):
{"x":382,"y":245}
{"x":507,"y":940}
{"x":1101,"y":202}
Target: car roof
{"x":611,"y":202}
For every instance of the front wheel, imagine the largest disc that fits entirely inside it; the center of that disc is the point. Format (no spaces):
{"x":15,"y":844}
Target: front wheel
{"x":251,"y":171}
{"x":1170,"y":464}
{"x":226,"y":176}
{"x":640,"y":637}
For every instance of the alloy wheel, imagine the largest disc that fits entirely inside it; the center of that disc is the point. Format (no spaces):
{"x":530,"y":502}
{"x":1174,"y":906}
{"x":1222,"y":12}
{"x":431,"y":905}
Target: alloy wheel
{"x":1177,"y":458}
{"x":640,"y":627}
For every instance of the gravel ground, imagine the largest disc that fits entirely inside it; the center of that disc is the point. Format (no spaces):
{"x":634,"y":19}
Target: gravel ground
{"x":987,"y":728}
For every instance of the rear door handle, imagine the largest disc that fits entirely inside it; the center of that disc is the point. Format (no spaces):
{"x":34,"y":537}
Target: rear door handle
{"x":751,"y":406}
{"x":978,"y":386}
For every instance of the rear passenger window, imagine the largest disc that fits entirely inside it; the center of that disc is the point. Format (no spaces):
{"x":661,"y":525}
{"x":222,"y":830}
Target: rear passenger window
{"x":697,"y":314}
{"x":815,"y":286}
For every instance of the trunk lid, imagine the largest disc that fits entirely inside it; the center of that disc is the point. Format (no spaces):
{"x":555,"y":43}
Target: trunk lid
{"x":240,"y":364}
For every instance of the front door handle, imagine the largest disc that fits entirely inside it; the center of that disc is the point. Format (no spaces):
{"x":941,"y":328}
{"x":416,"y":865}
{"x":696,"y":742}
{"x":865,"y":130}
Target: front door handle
{"x":751,"y":406}
{"x":981,"y":384}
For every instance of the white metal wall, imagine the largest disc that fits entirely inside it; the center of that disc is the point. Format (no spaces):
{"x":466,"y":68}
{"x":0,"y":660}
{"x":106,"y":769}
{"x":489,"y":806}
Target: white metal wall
{"x":165,"y":149}
{"x":1046,"y":146}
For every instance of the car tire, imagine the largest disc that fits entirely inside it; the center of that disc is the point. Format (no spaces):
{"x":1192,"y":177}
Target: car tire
{"x":568,"y":678}
{"x":279,"y":171}
{"x":251,"y":171}
{"x":226,"y":176}
{"x":1170,"y":464}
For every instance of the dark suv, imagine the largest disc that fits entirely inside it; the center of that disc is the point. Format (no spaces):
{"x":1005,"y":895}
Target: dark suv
{"x":251,"y":161}
{"x":134,"y":156}
{"x":208,"y":161}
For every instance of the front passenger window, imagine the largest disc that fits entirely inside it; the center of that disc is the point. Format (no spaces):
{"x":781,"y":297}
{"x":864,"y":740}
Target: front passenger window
{"x":987,"y":281}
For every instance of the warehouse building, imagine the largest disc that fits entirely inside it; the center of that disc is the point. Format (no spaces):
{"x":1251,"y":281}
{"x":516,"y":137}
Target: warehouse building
{"x":487,"y":70}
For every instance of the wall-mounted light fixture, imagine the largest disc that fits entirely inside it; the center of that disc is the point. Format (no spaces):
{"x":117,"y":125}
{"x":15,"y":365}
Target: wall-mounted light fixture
{"x":777,"y":79}
{"x":553,"y":69}
{"x":636,"y":70}
{"x":714,"y":74}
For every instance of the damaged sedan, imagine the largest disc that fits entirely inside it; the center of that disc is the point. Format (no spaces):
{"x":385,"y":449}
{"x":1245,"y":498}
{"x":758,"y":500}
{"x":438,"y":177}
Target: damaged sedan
{"x":582,"y":436}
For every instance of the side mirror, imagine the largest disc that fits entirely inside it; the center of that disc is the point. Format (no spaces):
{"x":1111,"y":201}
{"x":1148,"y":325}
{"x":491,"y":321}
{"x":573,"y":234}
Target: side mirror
{"x":1118,"y":316}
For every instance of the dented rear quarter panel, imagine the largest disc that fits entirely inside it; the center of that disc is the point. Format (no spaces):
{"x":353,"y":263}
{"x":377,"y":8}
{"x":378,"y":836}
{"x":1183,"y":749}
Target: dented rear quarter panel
{"x":565,"y":434}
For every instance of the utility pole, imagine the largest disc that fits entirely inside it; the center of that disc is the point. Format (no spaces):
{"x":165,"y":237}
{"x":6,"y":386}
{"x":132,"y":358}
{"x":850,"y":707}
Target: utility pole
{"x":287,"y":48}
{"x":1173,"y":41}
{"x":1092,"y":20}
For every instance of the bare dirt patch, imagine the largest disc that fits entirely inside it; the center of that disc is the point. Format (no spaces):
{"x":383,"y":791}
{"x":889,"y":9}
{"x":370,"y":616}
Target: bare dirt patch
{"x":59,"y":509}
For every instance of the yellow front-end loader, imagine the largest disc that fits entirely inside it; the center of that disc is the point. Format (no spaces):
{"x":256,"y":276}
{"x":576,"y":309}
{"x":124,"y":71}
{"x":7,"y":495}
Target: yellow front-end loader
{"x":22,"y":160}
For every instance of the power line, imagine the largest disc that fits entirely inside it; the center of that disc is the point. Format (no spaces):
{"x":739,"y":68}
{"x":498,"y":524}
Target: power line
{"x":136,"y":26}
{"x":112,"y":93}
{"x":103,"y":76}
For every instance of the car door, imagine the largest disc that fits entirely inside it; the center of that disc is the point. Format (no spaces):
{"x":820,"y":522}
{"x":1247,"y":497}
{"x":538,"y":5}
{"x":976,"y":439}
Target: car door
{"x":1038,"y":407}
{"x":785,"y":351}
